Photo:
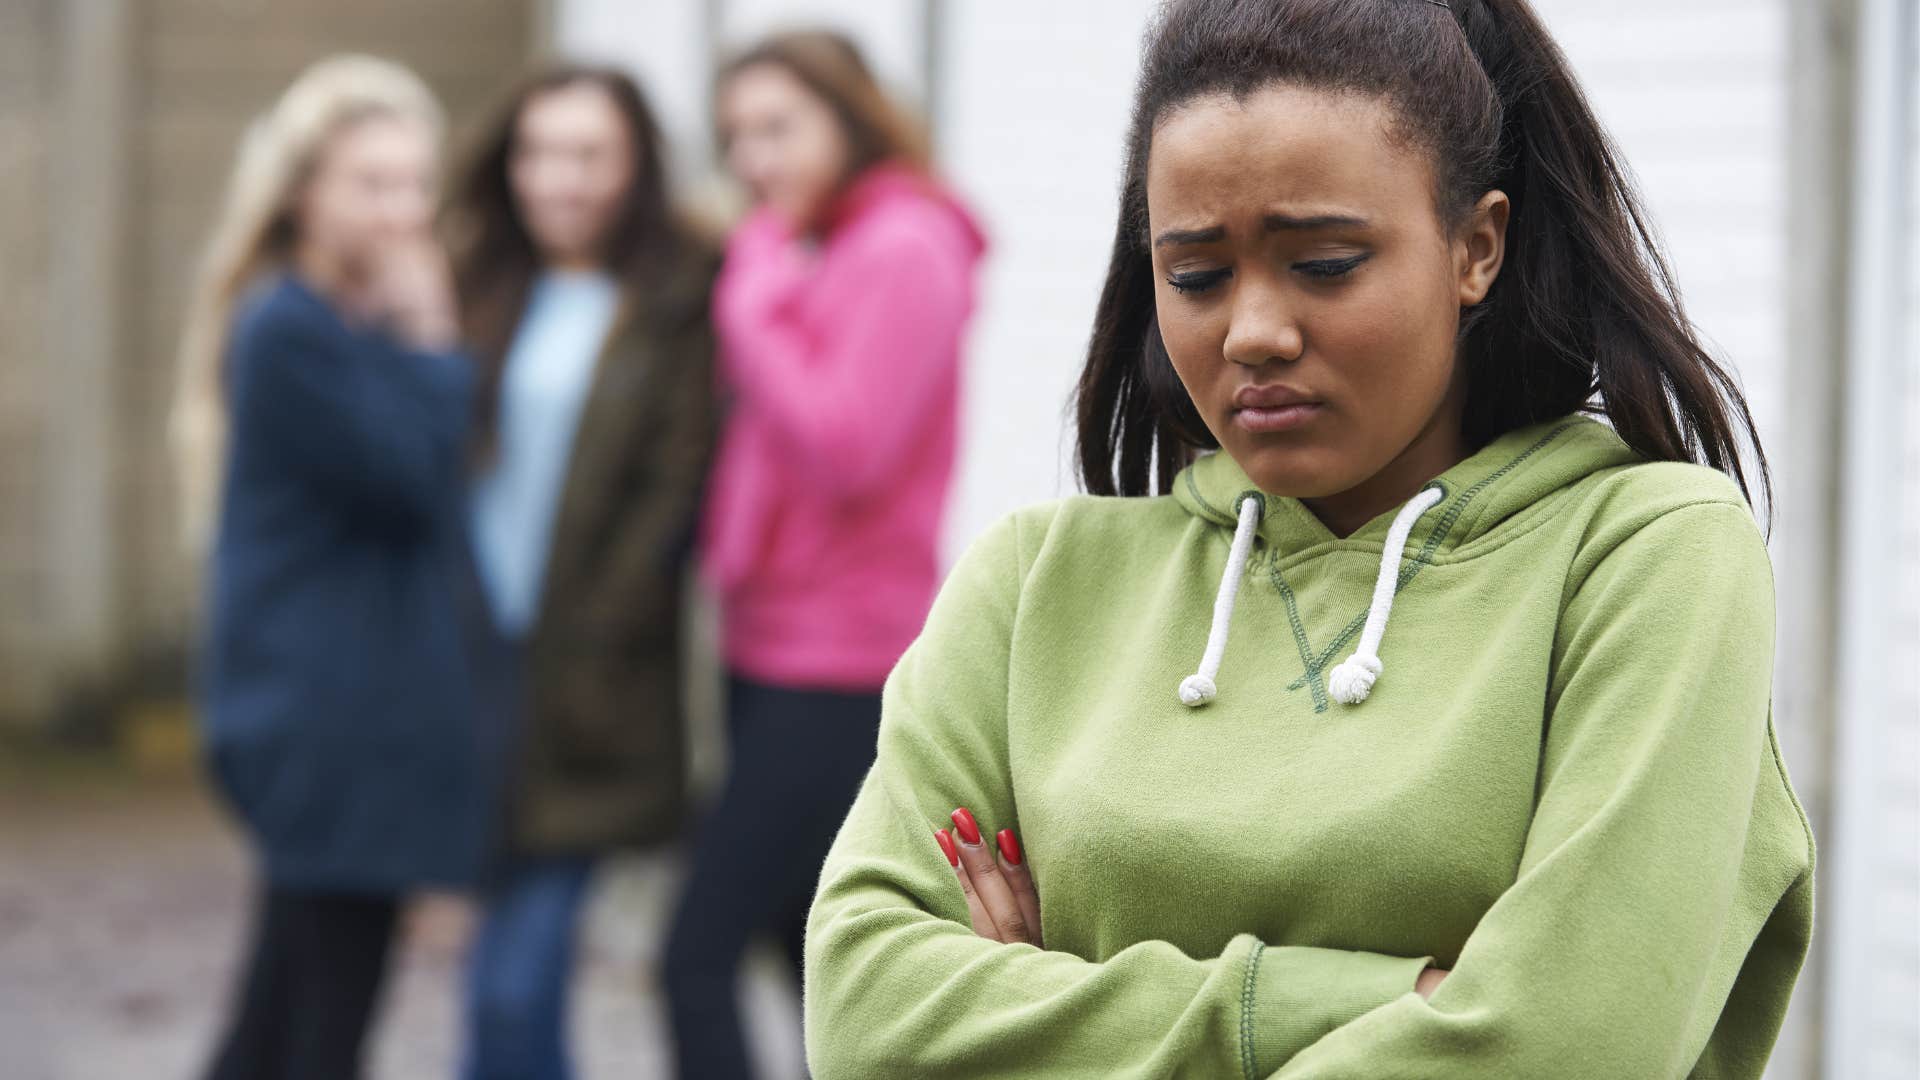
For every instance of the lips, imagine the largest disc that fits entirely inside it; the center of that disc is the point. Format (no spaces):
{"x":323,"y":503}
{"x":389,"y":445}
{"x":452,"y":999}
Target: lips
{"x":1271,"y":396}
{"x":1267,"y":410}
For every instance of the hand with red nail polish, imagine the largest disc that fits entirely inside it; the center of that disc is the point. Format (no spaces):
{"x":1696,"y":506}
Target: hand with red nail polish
{"x":997,"y":884}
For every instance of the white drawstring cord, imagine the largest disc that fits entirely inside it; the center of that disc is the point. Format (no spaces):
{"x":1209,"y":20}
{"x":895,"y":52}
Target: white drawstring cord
{"x":1197,"y":689}
{"x":1352,"y":680}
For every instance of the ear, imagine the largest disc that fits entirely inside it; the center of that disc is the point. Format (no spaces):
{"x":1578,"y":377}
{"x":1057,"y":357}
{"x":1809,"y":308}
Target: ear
{"x":1481,"y":247}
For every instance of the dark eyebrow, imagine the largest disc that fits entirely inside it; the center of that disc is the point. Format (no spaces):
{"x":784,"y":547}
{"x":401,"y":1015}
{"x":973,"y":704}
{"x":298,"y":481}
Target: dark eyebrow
{"x":1287,"y":223}
{"x":1190,"y":236}
{"x":1272,"y":223}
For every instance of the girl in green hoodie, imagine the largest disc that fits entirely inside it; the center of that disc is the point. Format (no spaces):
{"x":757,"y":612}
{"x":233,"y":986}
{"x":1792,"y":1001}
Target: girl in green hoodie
{"x":1420,"y":727}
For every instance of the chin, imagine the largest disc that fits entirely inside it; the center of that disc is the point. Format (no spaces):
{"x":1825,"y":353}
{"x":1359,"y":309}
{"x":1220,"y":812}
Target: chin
{"x":1295,"y":470}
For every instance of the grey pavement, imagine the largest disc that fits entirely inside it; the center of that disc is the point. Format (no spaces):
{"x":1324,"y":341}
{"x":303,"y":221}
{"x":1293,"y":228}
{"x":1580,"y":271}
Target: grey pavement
{"x":122,"y":912}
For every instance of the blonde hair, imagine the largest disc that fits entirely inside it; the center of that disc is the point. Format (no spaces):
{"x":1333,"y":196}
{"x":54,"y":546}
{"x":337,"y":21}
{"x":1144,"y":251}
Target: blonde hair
{"x":254,"y":234}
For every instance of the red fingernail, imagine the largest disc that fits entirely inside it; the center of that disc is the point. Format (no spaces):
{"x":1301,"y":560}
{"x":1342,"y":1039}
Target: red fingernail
{"x":946,"y":845}
{"x":969,"y":830}
{"x":1009,"y":847}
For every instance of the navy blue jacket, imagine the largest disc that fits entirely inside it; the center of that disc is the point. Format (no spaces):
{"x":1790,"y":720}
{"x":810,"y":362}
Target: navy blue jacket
{"x":341,"y":709}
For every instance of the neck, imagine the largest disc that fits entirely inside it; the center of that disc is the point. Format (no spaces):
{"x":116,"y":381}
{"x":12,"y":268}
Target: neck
{"x":1439,"y":447}
{"x":573,"y":262}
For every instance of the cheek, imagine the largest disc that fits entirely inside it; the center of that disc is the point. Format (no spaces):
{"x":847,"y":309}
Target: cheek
{"x":403,"y":205}
{"x":744,"y":160}
{"x":768,"y":159}
{"x":334,"y":215}
{"x":825,"y":153}
{"x":529,"y":190}
{"x":610,"y":190}
{"x":1392,"y":334}
{"x":1195,"y":336}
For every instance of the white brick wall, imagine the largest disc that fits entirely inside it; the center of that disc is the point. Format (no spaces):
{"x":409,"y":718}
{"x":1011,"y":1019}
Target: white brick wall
{"x":1873,"y":926}
{"x":1894,"y":1033}
{"x":1034,"y":104}
{"x":1695,"y":94}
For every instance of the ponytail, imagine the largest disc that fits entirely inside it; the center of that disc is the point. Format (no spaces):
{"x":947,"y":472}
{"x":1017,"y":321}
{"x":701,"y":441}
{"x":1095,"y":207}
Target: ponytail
{"x":1585,"y":304}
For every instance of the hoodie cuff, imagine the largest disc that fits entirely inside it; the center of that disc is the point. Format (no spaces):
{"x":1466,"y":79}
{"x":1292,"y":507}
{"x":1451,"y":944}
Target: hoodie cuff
{"x":1294,"y":995}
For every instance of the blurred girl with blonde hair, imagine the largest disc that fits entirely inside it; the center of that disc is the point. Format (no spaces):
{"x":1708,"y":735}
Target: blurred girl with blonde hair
{"x":321,"y":429}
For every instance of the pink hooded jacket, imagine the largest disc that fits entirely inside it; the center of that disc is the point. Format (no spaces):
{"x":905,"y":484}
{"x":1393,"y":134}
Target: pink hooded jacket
{"x":842,"y":365}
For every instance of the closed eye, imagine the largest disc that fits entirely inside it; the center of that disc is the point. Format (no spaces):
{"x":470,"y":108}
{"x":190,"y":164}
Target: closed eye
{"x":1196,"y":281}
{"x":1327,"y":269}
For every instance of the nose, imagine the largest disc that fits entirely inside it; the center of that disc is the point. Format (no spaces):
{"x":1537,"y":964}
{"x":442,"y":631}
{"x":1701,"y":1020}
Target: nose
{"x":1262,"y":330}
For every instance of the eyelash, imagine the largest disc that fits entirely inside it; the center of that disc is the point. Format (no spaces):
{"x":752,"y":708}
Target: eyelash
{"x":1321,"y":269}
{"x":1201,"y":281}
{"x":1331,"y":268}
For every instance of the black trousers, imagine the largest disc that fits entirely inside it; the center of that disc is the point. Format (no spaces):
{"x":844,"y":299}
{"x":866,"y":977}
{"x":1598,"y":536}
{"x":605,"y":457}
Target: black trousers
{"x":310,"y":987}
{"x":797,"y":759}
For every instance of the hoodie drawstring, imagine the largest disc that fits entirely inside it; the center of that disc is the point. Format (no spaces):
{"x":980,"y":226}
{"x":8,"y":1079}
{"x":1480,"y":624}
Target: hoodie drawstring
{"x":1198,"y":689}
{"x":1352,"y":680}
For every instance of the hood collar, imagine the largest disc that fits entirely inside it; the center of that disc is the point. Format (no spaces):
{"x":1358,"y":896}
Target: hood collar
{"x":1483,"y":491}
{"x":889,"y":182}
{"x":1476,"y":496}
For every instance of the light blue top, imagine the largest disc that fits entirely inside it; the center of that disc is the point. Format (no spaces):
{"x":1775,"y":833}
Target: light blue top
{"x":548,"y":372}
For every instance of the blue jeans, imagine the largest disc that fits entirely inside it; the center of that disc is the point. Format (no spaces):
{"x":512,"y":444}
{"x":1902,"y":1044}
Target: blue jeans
{"x":519,"y":969}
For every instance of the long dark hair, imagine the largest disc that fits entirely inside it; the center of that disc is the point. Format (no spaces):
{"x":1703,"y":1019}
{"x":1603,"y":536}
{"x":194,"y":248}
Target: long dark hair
{"x":1585,"y":305}
{"x":649,"y":250}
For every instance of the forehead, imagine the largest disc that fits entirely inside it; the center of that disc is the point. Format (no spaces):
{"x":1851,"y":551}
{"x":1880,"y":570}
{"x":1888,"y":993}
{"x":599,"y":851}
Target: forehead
{"x":379,"y":139}
{"x":1218,"y":157}
{"x":577,"y":108}
{"x":762,"y":85}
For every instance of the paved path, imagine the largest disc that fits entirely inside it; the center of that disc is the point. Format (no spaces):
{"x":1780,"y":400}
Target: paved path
{"x":122,"y":909}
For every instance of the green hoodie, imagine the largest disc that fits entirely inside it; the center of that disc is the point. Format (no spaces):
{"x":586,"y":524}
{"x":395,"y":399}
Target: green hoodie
{"x":1564,"y":787}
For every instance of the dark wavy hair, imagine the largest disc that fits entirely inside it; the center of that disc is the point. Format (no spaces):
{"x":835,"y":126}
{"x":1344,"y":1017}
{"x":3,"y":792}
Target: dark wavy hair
{"x":1584,"y":316}
{"x":649,"y":248}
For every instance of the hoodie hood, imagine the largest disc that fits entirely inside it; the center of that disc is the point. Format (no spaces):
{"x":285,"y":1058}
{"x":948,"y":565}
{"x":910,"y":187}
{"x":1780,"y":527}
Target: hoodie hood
{"x":1446,"y":517}
{"x":1483,"y":491}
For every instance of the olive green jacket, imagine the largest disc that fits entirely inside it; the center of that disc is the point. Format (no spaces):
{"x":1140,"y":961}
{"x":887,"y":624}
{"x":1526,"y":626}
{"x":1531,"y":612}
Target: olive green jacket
{"x":602,"y":761}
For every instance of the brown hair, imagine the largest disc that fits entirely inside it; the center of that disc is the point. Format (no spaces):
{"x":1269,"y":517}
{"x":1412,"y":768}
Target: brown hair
{"x":832,"y":67}
{"x":650,"y":249}
{"x":1584,"y":316}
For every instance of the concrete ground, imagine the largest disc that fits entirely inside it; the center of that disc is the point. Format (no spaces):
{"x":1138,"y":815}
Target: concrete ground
{"x":123,"y":902}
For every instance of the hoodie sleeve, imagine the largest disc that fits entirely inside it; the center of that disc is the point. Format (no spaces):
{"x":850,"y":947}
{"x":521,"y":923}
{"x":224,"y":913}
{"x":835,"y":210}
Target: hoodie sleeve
{"x":1666,"y":854}
{"x":847,"y":399}
{"x":898,"y":984}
